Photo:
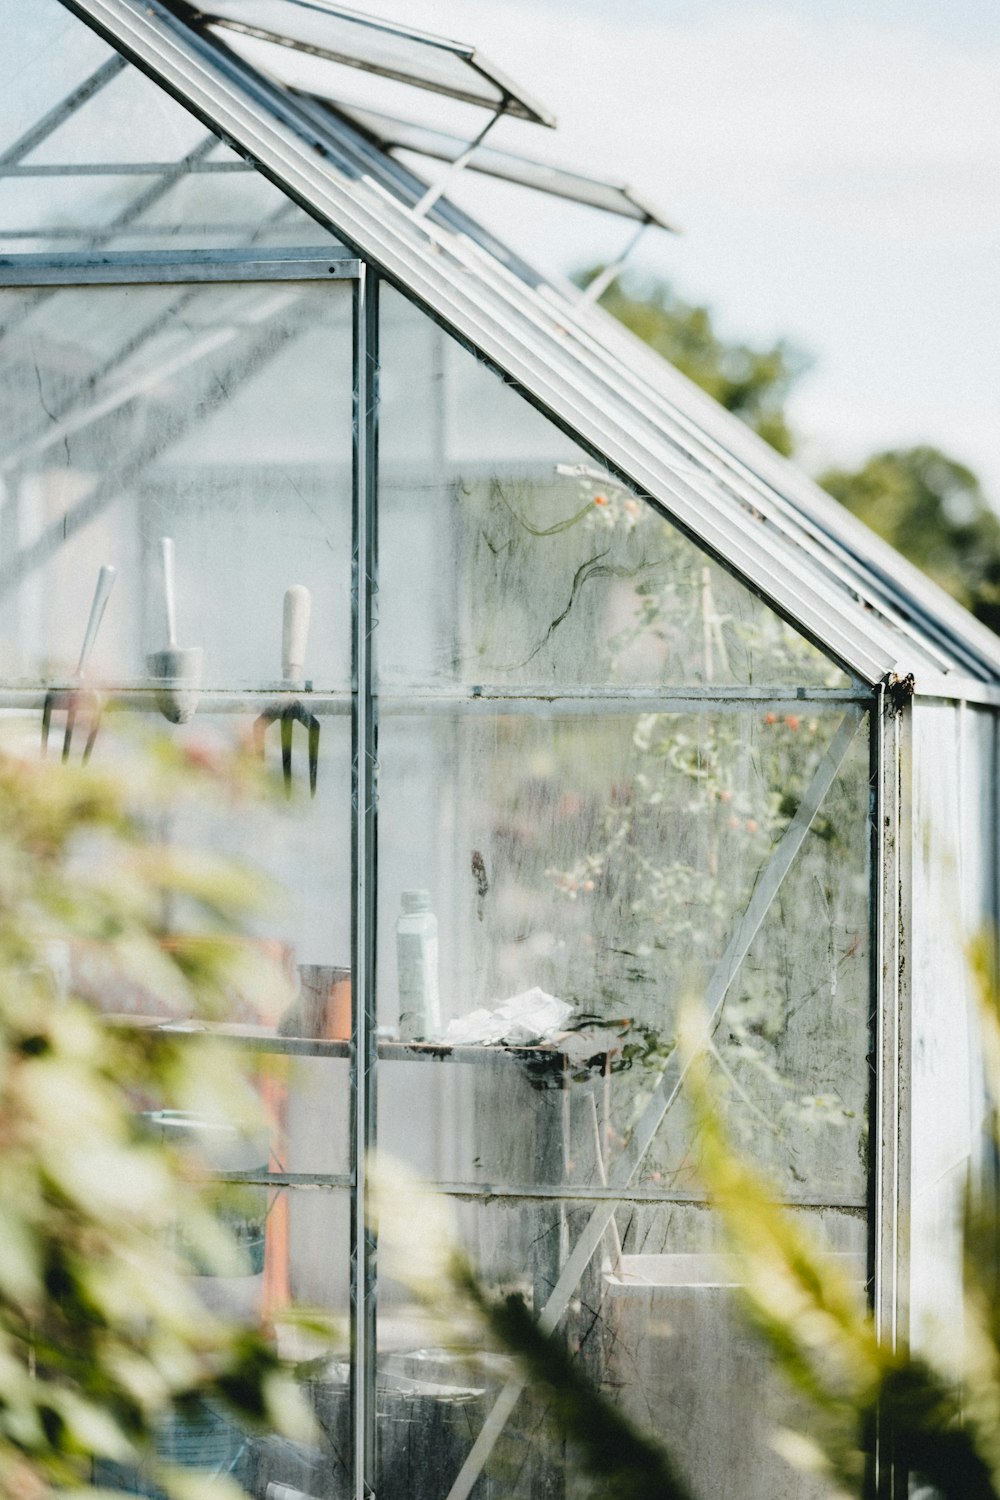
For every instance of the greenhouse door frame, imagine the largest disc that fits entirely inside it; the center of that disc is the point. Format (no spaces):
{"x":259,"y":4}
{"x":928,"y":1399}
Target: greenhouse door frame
{"x":889,"y":863}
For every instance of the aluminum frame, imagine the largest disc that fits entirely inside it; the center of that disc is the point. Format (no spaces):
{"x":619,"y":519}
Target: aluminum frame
{"x":513,"y":99}
{"x":364,"y":1047}
{"x":141,"y":267}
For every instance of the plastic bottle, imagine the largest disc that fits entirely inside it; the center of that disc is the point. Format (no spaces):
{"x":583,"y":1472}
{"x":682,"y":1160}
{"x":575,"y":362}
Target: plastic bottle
{"x":417,"y":967}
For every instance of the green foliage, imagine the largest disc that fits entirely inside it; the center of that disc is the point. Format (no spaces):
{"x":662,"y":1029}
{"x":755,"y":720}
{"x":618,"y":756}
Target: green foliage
{"x":753,"y":383}
{"x":933,"y":510}
{"x":102,"y":1333}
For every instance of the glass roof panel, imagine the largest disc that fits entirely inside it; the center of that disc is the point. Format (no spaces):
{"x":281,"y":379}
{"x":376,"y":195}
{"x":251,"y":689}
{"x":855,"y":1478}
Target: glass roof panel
{"x":407,"y":135}
{"x":560,"y":577}
{"x":376,"y":46}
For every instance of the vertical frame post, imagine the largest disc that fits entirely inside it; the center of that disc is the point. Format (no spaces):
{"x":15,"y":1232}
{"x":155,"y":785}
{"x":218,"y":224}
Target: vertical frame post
{"x":364,"y":793}
{"x":891,"y":1041}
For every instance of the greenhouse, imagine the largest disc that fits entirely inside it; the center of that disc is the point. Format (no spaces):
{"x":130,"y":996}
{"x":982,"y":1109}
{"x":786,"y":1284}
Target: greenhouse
{"x":588,"y":705}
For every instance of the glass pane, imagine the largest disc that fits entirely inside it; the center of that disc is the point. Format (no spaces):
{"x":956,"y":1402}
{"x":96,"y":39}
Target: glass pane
{"x":653,"y":1324}
{"x":954,"y":804}
{"x":219,"y":416}
{"x":544,"y":578}
{"x":606,"y":860}
{"x":67,"y":101}
{"x":594,"y":751}
{"x":408,"y":135}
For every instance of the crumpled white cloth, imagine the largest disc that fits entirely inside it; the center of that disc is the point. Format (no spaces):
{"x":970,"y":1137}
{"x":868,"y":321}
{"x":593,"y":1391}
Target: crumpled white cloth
{"x":532,"y":1016}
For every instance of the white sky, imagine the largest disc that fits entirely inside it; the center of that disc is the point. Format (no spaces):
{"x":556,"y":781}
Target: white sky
{"x":836,"y":169}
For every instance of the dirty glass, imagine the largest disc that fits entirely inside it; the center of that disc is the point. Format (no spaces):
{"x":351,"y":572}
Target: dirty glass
{"x":611,"y":782}
{"x":547,"y":574}
{"x":76,"y":173}
{"x":653,"y":1325}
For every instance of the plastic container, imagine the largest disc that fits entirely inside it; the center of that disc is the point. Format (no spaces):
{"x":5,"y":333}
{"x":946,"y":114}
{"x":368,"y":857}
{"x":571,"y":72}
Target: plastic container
{"x":417,"y":968}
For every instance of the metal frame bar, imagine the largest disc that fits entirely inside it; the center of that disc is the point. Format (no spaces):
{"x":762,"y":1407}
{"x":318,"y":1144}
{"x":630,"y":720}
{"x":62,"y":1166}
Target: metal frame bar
{"x":890,"y":1188}
{"x":892,"y":733}
{"x":671,"y":1080}
{"x":531,"y":1192}
{"x":120,"y":169}
{"x":141,"y":695}
{"x":364,"y":908}
{"x":599,"y":284}
{"x":437,"y":189}
{"x":137,"y":267}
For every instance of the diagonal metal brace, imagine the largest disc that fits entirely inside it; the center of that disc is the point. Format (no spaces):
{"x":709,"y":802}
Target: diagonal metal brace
{"x":671,"y":1079}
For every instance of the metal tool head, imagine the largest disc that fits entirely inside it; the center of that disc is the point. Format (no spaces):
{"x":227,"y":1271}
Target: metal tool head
{"x":289,"y":714}
{"x":76,"y":697}
{"x":73,"y":700}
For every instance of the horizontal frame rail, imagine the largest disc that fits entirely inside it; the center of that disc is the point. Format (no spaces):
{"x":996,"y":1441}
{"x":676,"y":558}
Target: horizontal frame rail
{"x":543,"y":1192}
{"x":141,"y":698}
{"x":125,"y":267}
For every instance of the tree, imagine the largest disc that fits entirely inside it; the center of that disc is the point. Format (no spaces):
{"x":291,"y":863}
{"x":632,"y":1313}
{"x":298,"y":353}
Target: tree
{"x":753,"y":383}
{"x":932,"y":509}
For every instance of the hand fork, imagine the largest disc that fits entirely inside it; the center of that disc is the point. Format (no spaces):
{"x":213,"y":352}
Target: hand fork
{"x":76,"y":696}
{"x":295,"y":634}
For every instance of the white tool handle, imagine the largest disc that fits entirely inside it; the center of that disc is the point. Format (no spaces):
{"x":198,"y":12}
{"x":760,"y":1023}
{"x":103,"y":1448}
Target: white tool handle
{"x":169,"y":598}
{"x":102,"y":593}
{"x":295,"y":632}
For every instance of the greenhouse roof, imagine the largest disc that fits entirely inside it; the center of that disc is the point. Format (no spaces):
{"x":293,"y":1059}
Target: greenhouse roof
{"x":639,"y":417}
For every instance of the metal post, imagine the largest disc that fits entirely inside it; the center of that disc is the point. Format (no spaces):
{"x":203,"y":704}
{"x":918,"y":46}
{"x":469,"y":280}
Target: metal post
{"x":890,"y":1185}
{"x":363,"y":1054}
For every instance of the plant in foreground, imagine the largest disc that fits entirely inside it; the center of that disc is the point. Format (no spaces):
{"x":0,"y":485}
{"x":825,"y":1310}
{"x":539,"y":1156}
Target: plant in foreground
{"x":102,"y":1333}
